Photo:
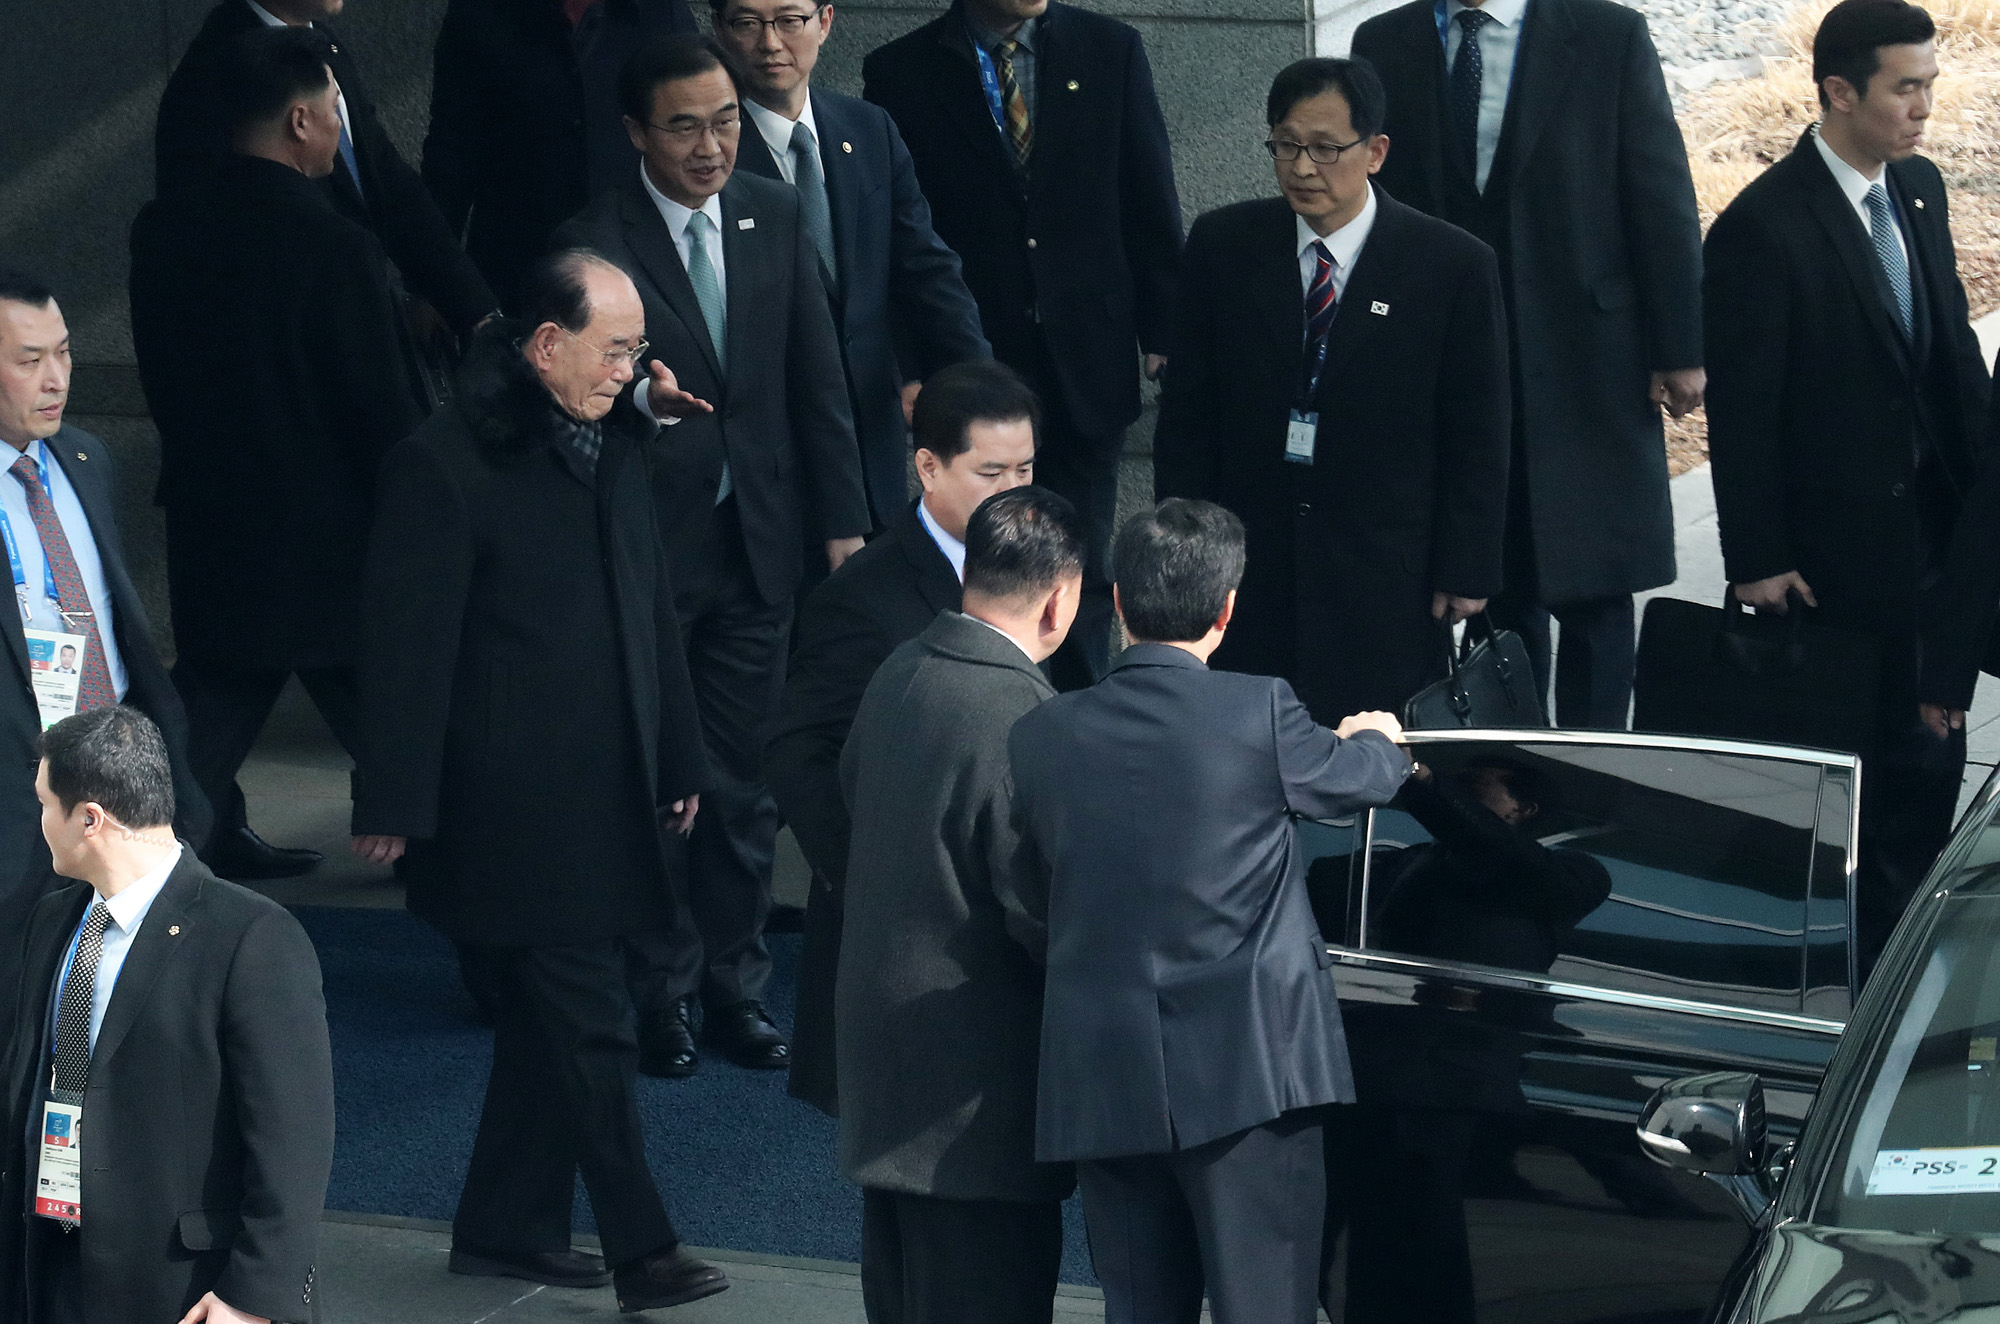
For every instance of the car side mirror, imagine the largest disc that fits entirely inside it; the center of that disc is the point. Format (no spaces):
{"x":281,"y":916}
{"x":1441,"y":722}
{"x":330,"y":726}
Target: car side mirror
{"x":1711,"y":1124}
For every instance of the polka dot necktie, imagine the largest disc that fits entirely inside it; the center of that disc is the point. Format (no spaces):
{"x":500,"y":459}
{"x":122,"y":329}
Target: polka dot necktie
{"x":1468,"y":83}
{"x":71,"y":599}
{"x":79,"y":990}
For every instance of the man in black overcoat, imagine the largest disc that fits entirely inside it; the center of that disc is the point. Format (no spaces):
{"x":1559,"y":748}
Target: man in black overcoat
{"x":525,"y":127}
{"x":1041,"y":148}
{"x":1961,"y":604}
{"x":1550,"y":136}
{"x":1379,"y":514}
{"x":529,"y":732}
{"x":372,"y":186}
{"x":736,"y":307}
{"x":1847,"y":402}
{"x":183,"y":1015}
{"x":256,"y":279}
{"x":76,"y":471}
{"x":975,"y":437}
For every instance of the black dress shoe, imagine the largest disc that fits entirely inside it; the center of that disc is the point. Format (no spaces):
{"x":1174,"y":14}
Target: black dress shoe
{"x":243,"y":854}
{"x":557,"y":1268}
{"x":747,"y":1037}
{"x":785,"y":919}
{"x":666,"y":1278}
{"x":666,"y":1042}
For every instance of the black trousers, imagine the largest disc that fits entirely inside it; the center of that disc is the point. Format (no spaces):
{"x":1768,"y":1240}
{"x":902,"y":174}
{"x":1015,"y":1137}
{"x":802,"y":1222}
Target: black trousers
{"x":227,"y":707}
{"x":58,"y":1273}
{"x":1083,"y":467}
{"x":927,"y":1260}
{"x":736,"y":645}
{"x":1399,"y":1175}
{"x":1593,"y":675}
{"x":1242,"y":1217}
{"x":1909,"y":795}
{"x":560,"y":1101}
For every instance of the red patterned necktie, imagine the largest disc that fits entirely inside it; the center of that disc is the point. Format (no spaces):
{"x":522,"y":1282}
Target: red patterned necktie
{"x":71,"y":599}
{"x":1020,"y":133}
{"x":1320,"y":307}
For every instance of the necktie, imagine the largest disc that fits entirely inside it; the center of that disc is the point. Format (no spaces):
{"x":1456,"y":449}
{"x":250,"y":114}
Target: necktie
{"x":813,"y":206}
{"x":1320,"y":306}
{"x":1468,"y":76}
{"x":71,"y":599}
{"x":1020,"y":133}
{"x":708,"y":293}
{"x":1895,"y":264}
{"x":79,"y":990}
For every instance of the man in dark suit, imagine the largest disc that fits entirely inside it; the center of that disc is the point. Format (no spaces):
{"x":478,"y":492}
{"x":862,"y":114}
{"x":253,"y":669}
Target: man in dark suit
{"x":975,"y":426}
{"x":530,"y":729}
{"x":1042,"y":150}
{"x":735,"y":305}
{"x":1846,"y":405}
{"x":939,"y":1000}
{"x":56,"y":503}
{"x":525,"y":127}
{"x":1548,"y":133}
{"x":1961,"y":604}
{"x":1189,"y":1031}
{"x":373,"y":186}
{"x":256,"y":279}
{"x":1339,"y":380}
{"x":892,"y":282}
{"x":153,"y":980}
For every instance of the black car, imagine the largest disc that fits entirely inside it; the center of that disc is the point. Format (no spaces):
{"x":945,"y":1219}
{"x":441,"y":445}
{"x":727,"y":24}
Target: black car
{"x":1529,"y":944}
{"x":1887,"y":1208}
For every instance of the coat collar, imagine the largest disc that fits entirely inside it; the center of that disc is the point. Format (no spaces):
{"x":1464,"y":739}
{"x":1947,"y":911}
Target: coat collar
{"x":1829,"y":206}
{"x":1158,"y":655}
{"x":1543,"y":60}
{"x":956,"y":635}
{"x":937,"y":582}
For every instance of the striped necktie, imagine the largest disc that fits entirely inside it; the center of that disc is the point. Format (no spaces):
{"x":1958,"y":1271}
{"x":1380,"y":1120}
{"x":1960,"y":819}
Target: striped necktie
{"x":72,"y":600}
{"x":1321,"y":304}
{"x":1020,"y":133}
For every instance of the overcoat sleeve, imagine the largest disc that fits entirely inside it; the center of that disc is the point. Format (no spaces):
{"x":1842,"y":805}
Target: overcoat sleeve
{"x":456,"y":148}
{"x":1661,"y":219}
{"x":1474,"y":429}
{"x":1149,"y":202}
{"x":1184,"y":457}
{"x":937,"y":321}
{"x":822,"y":420}
{"x":1747,"y":314}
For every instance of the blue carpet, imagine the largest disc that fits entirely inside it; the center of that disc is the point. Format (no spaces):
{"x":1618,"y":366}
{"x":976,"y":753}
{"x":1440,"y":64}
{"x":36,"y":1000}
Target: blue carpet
{"x":741,"y":1165}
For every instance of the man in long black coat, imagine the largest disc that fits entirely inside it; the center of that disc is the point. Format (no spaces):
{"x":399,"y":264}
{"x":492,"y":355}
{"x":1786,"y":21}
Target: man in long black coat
{"x":1564,"y":156}
{"x":1847,"y":404}
{"x":1384,"y":515}
{"x":256,"y":279}
{"x":1059,"y":196}
{"x":530,"y":729}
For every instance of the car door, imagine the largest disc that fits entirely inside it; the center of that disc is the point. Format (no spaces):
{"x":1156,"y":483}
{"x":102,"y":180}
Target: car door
{"x":1527,"y":944}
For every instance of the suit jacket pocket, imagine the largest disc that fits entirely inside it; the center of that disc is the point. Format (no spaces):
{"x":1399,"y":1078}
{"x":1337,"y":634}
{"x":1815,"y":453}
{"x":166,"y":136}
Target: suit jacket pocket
{"x":209,"y":1229}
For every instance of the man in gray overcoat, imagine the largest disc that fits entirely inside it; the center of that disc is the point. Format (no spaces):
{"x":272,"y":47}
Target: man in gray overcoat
{"x":938,"y":1002}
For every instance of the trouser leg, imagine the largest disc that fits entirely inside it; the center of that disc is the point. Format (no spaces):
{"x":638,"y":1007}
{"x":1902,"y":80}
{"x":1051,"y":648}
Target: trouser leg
{"x":1083,"y":467}
{"x":1594,"y":663}
{"x":227,"y":707}
{"x":1143,"y":1243}
{"x":1257,"y":1200}
{"x":1909,"y":796}
{"x":965,"y":1261}
{"x":1408,"y":1255}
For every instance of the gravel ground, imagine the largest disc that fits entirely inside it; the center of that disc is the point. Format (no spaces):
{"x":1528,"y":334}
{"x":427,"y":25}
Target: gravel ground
{"x":1693,"y":35}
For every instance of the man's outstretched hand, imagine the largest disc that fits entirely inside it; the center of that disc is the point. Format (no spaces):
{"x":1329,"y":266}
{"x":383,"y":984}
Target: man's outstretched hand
{"x":666,"y":399}
{"x":379,"y":850}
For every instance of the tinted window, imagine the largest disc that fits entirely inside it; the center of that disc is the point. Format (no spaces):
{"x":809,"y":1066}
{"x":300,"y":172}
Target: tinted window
{"x":1649,"y":870}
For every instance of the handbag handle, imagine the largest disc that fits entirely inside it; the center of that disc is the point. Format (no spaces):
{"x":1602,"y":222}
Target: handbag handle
{"x":1735,"y":616}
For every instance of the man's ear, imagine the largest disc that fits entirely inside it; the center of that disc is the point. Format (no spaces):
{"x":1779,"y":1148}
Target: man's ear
{"x":1228,"y":611}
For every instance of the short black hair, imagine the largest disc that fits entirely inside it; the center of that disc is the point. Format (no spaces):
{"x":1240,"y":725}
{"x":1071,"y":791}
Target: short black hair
{"x":976,"y":391}
{"x":1355,"y":80}
{"x":554,"y":289}
{"x":113,"y":757}
{"x":18,"y":286}
{"x":666,"y":59}
{"x":1850,"y":39}
{"x":1175,"y":567}
{"x":1020,"y":542}
{"x":265,"y":70}
{"x":1529,"y":785}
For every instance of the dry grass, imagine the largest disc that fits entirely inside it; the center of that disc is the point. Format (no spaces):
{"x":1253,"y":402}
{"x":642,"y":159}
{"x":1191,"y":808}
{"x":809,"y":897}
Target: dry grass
{"x":1735,"y":129}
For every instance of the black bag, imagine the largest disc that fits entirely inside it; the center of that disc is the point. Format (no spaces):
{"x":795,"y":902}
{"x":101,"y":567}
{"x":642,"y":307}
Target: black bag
{"x":1721,"y":671}
{"x":1492,"y":684}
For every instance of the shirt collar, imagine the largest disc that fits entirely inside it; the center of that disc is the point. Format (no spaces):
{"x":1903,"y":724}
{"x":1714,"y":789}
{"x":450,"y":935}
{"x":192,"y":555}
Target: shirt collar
{"x":953,"y":549}
{"x":677,"y":216}
{"x":1853,"y":184}
{"x":1024,"y":36}
{"x":270,"y":19}
{"x":777,"y":130}
{"x":129,"y":907}
{"x":1344,"y":244}
{"x":1507,"y":13}
{"x":1004,"y":635}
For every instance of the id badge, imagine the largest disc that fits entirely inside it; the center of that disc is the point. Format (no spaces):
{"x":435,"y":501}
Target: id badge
{"x":59,"y":1179}
{"x":55,"y":667}
{"x":1300,"y":434}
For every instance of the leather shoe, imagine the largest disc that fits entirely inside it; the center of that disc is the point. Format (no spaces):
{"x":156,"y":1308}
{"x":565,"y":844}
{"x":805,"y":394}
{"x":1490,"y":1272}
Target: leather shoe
{"x":747,"y":1037}
{"x":785,"y":919}
{"x":243,"y":854}
{"x":557,"y":1268}
{"x":665,"y":1278}
{"x":666,"y":1042}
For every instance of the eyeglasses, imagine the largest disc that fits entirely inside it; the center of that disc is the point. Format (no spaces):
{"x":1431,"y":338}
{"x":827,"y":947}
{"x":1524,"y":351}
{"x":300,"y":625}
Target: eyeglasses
{"x":723,"y":126}
{"x":748,"y":27}
{"x":612,"y":357}
{"x":1284,"y":149}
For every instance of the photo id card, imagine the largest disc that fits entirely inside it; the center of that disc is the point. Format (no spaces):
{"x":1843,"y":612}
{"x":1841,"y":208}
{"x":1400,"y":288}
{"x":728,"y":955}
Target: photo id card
{"x":55,"y":665}
{"x":59,"y":1179}
{"x":1300,"y":433}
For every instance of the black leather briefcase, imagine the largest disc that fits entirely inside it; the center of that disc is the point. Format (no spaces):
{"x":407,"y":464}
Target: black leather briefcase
{"x":1722,"y":671}
{"x":1492,"y":684}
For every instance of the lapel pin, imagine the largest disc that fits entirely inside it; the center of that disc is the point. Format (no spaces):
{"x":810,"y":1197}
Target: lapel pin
{"x":81,"y":456}
{"x":747,"y":223}
{"x":1379,"y":308}
{"x":847,"y":147}
{"x":1072,"y":85}
{"x":173,"y":930}
{"x":1919,"y":202}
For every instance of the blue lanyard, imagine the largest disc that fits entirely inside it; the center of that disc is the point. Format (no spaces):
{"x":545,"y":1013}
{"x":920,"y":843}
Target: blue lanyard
{"x":14,"y":550}
{"x":989,"y":78}
{"x":1444,"y":25}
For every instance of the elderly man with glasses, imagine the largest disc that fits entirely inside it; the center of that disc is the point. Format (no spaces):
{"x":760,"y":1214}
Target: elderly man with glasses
{"x":1339,"y":380}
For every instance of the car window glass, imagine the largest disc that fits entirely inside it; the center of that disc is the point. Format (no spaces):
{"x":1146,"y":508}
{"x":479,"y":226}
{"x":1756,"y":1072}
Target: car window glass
{"x":1329,"y":849}
{"x":1662,"y":871}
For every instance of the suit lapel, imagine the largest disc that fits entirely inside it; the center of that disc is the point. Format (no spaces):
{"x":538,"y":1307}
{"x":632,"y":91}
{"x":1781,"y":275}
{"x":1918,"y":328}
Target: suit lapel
{"x":1842,"y":226}
{"x":1543,"y":59}
{"x":843,"y":182}
{"x":38,"y":979}
{"x":749,"y":256}
{"x":753,"y":153}
{"x":1426,"y":55}
{"x":963,"y":96}
{"x":159,"y":942}
{"x":937,"y":582}
{"x":1371,"y":282}
{"x":647,"y":236}
{"x":1928,"y":260}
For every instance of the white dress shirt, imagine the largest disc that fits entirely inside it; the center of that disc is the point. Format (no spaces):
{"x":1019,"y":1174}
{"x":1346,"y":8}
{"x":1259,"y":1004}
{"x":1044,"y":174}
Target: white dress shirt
{"x":1343,"y":246}
{"x":271,"y":20}
{"x":128,"y":911}
{"x":953,"y":549}
{"x":1854,"y":187}
{"x":677,"y":218}
{"x":1008,"y":637}
{"x":777,"y":131}
{"x":42,"y":613}
{"x":1498,"y":41}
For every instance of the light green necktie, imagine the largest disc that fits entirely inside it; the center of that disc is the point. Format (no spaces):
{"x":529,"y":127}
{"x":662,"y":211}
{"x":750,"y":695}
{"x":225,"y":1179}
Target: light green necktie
{"x":708,"y":293}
